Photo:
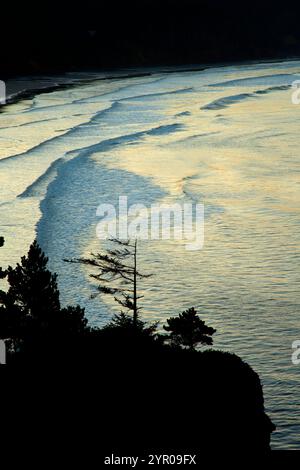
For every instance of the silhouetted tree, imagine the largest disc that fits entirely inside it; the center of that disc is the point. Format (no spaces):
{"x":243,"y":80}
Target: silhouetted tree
{"x":32,"y":287}
{"x":30,"y":309}
{"x":72,"y":320}
{"x":188,"y":330}
{"x":11,"y":323}
{"x":2,"y":273}
{"x":121,"y":276}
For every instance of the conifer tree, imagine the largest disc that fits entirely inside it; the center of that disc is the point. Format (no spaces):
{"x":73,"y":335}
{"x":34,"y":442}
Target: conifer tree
{"x":32,"y":287}
{"x":31,"y":306}
{"x":188,"y":330}
{"x":118,"y":274}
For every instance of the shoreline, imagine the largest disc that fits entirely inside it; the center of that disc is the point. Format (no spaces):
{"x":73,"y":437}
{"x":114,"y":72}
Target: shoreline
{"x":27,"y":87}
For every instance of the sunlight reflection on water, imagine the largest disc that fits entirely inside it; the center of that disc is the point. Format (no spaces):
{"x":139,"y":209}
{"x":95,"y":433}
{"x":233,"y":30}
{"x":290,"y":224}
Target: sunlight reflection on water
{"x":72,"y":151}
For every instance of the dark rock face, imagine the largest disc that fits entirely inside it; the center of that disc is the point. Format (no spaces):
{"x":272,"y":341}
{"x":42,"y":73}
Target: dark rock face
{"x":204,"y":401}
{"x":135,"y":403}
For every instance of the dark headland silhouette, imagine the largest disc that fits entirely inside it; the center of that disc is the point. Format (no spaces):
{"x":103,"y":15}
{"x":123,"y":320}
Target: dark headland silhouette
{"x":58,"y":36}
{"x":125,"y":387}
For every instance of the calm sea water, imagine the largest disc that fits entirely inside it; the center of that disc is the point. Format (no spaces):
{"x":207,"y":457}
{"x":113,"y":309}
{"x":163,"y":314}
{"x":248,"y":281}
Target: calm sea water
{"x":226,"y":137}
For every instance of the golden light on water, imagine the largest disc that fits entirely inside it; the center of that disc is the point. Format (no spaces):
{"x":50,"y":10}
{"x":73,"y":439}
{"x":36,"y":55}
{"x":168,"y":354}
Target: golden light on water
{"x":188,"y":141}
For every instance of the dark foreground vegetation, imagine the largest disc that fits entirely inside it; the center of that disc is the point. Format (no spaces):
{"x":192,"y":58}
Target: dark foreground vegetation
{"x":123,"y":388}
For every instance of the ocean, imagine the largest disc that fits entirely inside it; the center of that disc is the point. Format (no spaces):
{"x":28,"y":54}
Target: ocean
{"x":225,"y":137}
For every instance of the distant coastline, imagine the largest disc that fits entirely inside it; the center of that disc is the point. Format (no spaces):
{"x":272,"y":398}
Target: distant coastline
{"x":20,"y":87}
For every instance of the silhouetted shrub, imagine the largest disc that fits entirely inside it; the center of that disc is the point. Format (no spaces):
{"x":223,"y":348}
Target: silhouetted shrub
{"x":188,"y":330}
{"x":127,"y":335}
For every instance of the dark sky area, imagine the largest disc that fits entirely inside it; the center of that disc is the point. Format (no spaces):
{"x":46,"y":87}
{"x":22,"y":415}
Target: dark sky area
{"x":56,"y":36}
